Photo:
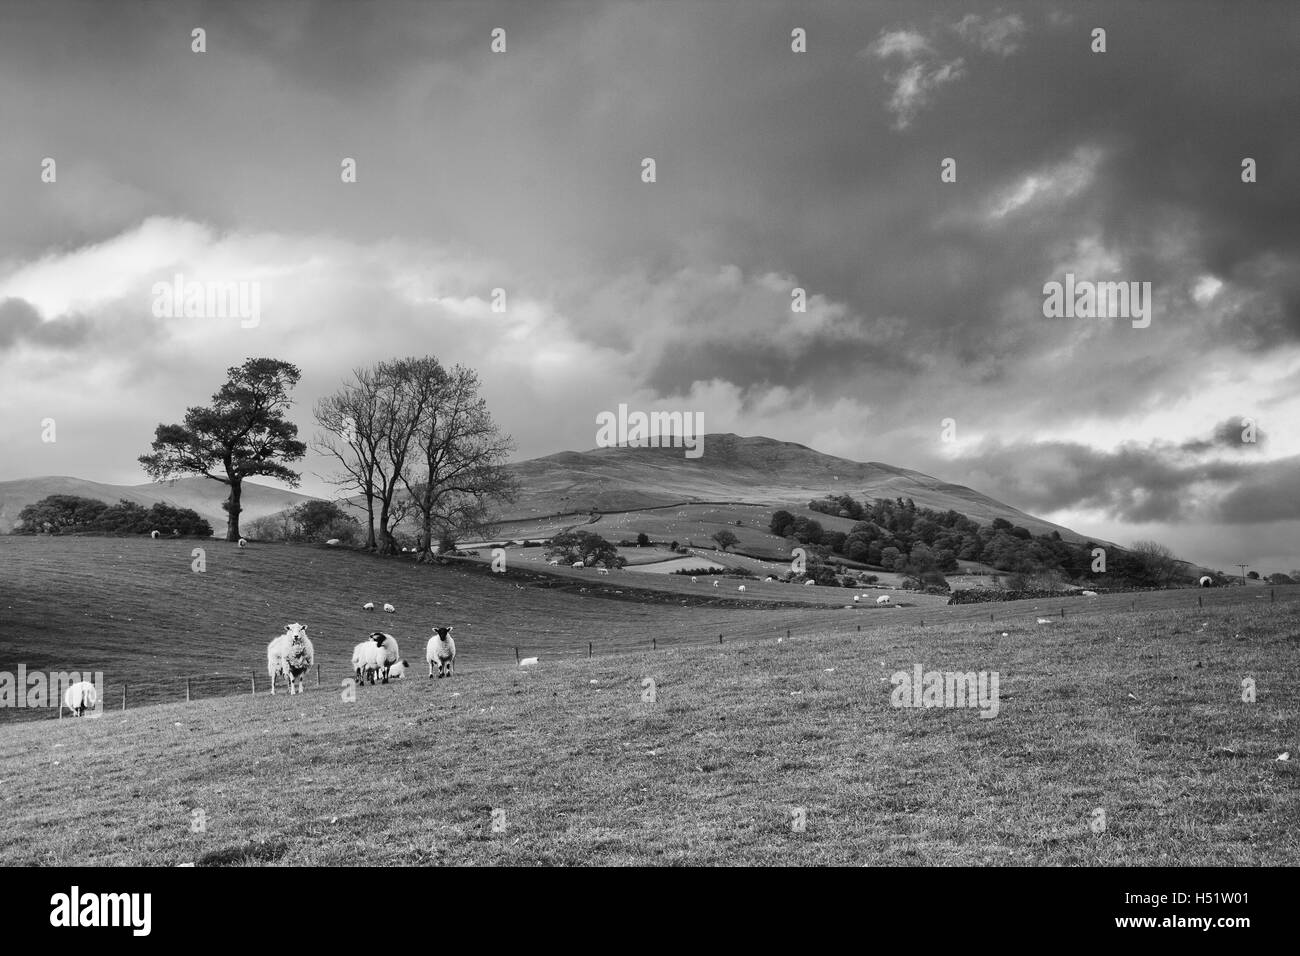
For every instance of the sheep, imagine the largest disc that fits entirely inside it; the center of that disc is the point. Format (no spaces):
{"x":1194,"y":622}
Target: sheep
{"x":529,"y":661}
{"x":368,"y":606}
{"x":554,"y":562}
{"x":715,"y":584}
{"x":398,"y":670}
{"x":856,"y":599}
{"x":441,"y":649}
{"x":602,"y":570}
{"x":176,"y":532}
{"x":768,"y":580}
{"x":741,"y":588}
{"x":290,"y":655}
{"x":388,"y":644}
{"x":578,"y":564}
{"x":389,"y":609}
{"x":1089,"y":593}
{"x":80,"y":697}
{"x":243,"y":543}
{"x":1206,"y":581}
{"x":333,"y":542}
{"x":154,"y":535}
{"x":695,"y":580}
{"x":367,"y":661}
{"x":883,"y":600}
{"x":809,"y":583}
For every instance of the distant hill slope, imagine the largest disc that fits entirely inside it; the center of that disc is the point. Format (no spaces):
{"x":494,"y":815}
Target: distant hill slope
{"x":201,"y":494}
{"x":734,"y":468}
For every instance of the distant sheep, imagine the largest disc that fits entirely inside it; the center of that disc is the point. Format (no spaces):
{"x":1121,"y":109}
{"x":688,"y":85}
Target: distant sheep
{"x":809,"y":584}
{"x":389,"y":609}
{"x":290,"y":655}
{"x":741,"y":588}
{"x":154,"y":535}
{"x":578,"y":564}
{"x":856,"y":599}
{"x":368,"y":606}
{"x":442,"y":651}
{"x":695,"y":580}
{"x":80,"y":697}
{"x":333,"y":542}
{"x":715,"y":584}
{"x":243,"y":543}
{"x":883,"y":600}
{"x":176,"y":532}
{"x":1206,"y":581}
{"x":768,"y":580}
{"x":529,"y":661}
{"x":602,"y":570}
{"x":554,"y":562}
{"x":1089,"y":593}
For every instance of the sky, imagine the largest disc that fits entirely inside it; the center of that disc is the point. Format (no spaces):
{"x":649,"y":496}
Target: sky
{"x":924,"y":342}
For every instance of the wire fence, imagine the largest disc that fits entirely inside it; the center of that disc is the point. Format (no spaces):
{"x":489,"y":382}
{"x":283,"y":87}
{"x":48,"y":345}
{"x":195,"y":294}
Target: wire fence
{"x":120,"y":695}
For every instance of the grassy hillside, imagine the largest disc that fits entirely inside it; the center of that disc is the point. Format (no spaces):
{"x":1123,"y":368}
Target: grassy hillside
{"x":1136,"y":713}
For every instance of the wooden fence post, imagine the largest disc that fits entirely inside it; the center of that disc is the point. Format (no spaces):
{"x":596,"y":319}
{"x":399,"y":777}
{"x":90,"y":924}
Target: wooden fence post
{"x":317,"y":675}
{"x":187,"y":690}
{"x":719,"y":638}
{"x":589,"y":648}
{"x":654,"y":645}
{"x":252,"y":684}
{"x":1062,"y":612}
{"x":1200,"y":601}
{"x":124,"y":695}
{"x":516,"y":653}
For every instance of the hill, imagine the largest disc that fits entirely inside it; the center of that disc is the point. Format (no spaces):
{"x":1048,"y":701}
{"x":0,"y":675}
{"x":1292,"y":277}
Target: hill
{"x":199,"y":494}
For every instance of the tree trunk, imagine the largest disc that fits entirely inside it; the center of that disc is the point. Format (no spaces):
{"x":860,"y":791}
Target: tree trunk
{"x":386,"y":543}
{"x":233,"y":509}
{"x":370,"y":521}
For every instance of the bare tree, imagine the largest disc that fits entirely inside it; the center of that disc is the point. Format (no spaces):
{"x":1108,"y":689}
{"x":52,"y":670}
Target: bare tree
{"x":1160,"y":564}
{"x":456,"y":470}
{"x":352,"y":420}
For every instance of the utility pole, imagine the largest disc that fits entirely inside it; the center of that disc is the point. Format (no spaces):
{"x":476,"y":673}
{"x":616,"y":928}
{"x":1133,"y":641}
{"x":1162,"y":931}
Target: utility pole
{"x":1243,"y":572}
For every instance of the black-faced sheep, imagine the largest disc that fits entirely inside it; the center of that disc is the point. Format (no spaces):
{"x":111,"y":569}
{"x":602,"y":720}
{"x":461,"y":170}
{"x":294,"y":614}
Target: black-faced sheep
{"x":442,"y":651}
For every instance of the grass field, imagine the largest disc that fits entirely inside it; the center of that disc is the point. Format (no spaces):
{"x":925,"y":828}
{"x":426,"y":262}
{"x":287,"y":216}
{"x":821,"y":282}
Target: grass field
{"x":1128,"y":704}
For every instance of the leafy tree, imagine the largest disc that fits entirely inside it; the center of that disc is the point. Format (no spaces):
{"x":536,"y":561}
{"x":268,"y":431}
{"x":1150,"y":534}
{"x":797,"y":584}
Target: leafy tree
{"x":1253,"y":575}
{"x":586,"y":546}
{"x":724,"y":538}
{"x":781,"y":523}
{"x":322,"y":520}
{"x":243,"y":433}
{"x":60,"y":513}
{"x":642,"y":540}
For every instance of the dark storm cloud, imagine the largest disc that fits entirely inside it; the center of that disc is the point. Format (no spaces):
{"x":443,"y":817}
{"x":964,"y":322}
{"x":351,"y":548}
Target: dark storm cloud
{"x":20,"y":323}
{"x":1137,"y":483}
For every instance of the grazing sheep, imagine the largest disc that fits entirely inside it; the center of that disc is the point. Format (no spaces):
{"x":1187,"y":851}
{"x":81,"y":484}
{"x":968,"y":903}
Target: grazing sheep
{"x":154,"y":535}
{"x":368,"y":606}
{"x":768,"y":580}
{"x":80,"y":697}
{"x":1206,"y":581}
{"x":442,"y":650}
{"x":695,"y":580}
{"x":243,"y":543}
{"x":856,"y":599}
{"x":602,"y":570}
{"x":367,"y":661}
{"x":389,"y":609}
{"x":883,"y":599}
{"x":1089,"y":593}
{"x":809,"y":584}
{"x":715,"y":584}
{"x":578,"y":564}
{"x":333,"y":542}
{"x":529,"y":661}
{"x":1045,"y":620}
{"x":554,"y":562}
{"x":741,"y":588}
{"x":290,"y":655}
{"x":389,"y":646}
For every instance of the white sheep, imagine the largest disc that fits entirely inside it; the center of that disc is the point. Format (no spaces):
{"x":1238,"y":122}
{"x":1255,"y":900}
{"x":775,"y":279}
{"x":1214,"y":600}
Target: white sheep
{"x":333,"y":542}
{"x":368,"y":606}
{"x":809,"y":583}
{"x":1089,"y":593}
{"x":856,"y":599}
{"x":768,"y":580}
{"x":578,"y":564}
{"x":80,"y":697}
{"x":389,"y":609}
{"x":243,"y":543}
{"x":695,"y":580}
{"x":883,"y":600}
{"x":741,"y":588}
{"x":554,"y":562}
{"x":1206,"y":581}
{"x":154,"y":535}
{"x":715,"y":584}
{"x":441,"y":650}
{"x":290,"y":655}
{"x":602,"y":570}
{"x":367,"y":661}
{"x":529,"y":661}
{"x":398,"y":671}
{"x":388,"y":644}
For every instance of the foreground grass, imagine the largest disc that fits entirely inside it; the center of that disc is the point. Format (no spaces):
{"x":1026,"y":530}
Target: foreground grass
{"x":1109,"y":712}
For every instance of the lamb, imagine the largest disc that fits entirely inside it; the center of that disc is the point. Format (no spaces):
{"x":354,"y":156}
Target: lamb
{"x":388,"y":645}
{"x":883,"y":600}
{"x":398,"y":670}
{"x":80,"y":697}
{"x":389,"y":609}
{"x":290,"y":655}
{"x":367,"y":661}
{"x":442,"y":650}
